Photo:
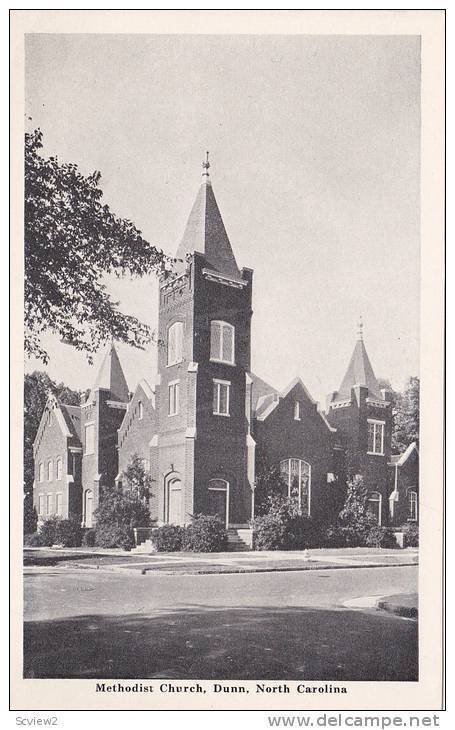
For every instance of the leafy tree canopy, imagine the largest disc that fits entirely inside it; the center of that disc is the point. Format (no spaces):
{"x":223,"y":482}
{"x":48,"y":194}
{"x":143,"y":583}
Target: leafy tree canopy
{"x":138,"y":479}
{"x":72,"y":241}
{"x":406,"y":416}
{"x":355,"y":511}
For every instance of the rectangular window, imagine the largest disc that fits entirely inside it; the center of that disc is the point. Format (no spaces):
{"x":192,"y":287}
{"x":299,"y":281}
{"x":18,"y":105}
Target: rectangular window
{"x":141,"y":411}
{"x":221,"y":397}
{"x":48,"y":504}
{"x":41,"y":473}
{"x":50,"y":471}
{"x":58,"y":504}
{"x":222,"y":342}
{"x":376,"y":437}
{"x":90,"y":438}
{"x":412,"y":497}
{"x":41,"y":504}
{"x":297,"y":411}
{"x":174,"y":398}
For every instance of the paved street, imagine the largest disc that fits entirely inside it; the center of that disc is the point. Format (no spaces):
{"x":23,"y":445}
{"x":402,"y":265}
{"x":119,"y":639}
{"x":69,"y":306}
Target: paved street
{"x":282,"y":625}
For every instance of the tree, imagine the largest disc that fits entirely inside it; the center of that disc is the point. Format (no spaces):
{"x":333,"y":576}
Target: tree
{"x":270,"y":486}
{"x":72,"y":240}
{"x":355,"y":512}
{"x":118,"y":514}
{"x":138,"y":479}
{"x":37,"y":386}
{"x":406,"y":415}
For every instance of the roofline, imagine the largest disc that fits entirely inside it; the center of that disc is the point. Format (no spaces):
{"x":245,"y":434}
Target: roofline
{"x":406,"y":454}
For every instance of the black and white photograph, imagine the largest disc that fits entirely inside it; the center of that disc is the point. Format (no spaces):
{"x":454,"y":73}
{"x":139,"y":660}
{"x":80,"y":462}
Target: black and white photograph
{"x":222,"y":438}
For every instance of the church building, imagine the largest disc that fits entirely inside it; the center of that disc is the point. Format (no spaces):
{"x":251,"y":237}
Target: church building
{"x":208,"y":422}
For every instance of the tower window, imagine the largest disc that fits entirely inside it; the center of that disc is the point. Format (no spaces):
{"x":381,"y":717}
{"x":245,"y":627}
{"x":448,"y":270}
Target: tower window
{"x":297,"y":410}
{"x":140,"y":410}
{"x":50,"y":471}
{"x":222,"y":342}
{"x":221,"y":397}
{"x":175,"y":343}
{"x":59,"y":468}
{"x":174,"y":398}
{"x":375,"y":437}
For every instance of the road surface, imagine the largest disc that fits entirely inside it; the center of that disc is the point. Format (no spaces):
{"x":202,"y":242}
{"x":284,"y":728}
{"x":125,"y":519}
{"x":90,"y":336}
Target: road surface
{"x":291,"y":625}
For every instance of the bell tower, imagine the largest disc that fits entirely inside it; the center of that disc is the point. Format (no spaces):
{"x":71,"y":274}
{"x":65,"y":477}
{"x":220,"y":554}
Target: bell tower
{"x":201,"y":445}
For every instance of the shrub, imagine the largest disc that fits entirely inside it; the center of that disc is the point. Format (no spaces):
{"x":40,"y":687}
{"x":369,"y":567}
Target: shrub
{"x":117,"y":516}
{"x":48,"y":531}
{"x":205,"y":534}
{"x":30,"y":516}
{"x":282,"y":528}
{"x":380,"y":537}
{"x":168,"y":538}
{"x":69,"y":533}
{"x":33,"y":540}
{"x":339,"y":536}
{"x":89,"y":538}
{"x":411,"y":534}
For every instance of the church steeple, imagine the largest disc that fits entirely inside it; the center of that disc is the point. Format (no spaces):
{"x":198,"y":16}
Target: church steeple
{"x":360,"y":371}
{"x":205,"y":231}
{"x":111,"y":377}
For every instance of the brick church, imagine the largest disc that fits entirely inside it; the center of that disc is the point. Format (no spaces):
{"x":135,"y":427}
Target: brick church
{"x":209,"y":422}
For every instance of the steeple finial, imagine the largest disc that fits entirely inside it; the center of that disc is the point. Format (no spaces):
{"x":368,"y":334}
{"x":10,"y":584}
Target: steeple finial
{"x":206,"y":165}
{"x":360,"y":328}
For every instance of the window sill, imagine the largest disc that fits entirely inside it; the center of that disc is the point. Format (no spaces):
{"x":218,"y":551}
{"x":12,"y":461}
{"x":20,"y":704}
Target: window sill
{"x":173,"y":364}
{"x":172,"y":415}
{"x":375,"y":453}
{"x":225,"y":415}
{"x":223,"y":362}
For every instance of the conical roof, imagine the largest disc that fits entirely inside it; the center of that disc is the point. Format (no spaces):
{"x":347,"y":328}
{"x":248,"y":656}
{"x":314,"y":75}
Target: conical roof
{"x":111,"y":377}
{"x":205,"y":232}
{"x":359,"y":372}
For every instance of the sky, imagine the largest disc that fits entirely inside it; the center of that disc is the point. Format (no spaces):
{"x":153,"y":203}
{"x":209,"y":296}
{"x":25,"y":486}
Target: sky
{"x":315,"y":163}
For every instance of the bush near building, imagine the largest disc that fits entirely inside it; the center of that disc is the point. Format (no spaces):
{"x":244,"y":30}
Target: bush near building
{"x":117,"y":516}
{"x":283,"y":528}
{"x":89,"y":538}
{"x":411,"y":534}
{"x":380,"y":537}
{"x":205,"y":534}
{"x":168,"y":538}
{"x":56,"y":531}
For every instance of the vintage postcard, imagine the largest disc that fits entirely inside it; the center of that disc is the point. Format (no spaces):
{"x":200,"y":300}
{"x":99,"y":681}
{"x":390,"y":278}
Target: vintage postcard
{"x":227,"y":383}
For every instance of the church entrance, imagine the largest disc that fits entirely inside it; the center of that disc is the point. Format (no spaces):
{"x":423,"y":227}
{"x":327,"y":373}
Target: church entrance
{"x":175,"y":502}
{"x":218,"y":499}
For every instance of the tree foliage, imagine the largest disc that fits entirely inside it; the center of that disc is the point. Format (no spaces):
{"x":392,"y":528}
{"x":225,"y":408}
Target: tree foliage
{"x":355,"y":511}
{"x":270,"y":487}
{"x":406,"y":416}
{"x":118,"y":514}
{"x":72,"y":241}
{"x":138,"y":479}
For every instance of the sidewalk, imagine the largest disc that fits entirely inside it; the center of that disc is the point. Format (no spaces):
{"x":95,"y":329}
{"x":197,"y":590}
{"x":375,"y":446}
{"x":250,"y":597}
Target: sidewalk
{"x":222,"y":563}
{"x":405,"y":605}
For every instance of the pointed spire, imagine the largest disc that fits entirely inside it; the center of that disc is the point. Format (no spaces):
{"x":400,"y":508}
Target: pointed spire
{"x":205,"y":231}
{"x":111,"y":377}
{"x":360,"y":371}
{"x":360,"y":328}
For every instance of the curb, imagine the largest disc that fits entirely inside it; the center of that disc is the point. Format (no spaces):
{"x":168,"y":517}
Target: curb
{"x":234,"y":570}
{"x":398,"y":610}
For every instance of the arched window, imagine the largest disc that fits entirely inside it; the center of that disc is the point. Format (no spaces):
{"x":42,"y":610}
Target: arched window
{"x":222,"y":342}
{"x":296,"y":474}
{"x":412,"y":505}
{"x":374,"y":504}
{"x":41,"y":473}
{"x":59,"y":468}
{"x":88,"y":508}
{"x":175,"y":343}
{"x":218,"y":499}
{"x":140,"y":410}
{"x":50,"y":471}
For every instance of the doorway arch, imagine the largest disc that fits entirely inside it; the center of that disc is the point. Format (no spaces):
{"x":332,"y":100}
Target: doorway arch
{"x":218,"y":499}
{"x":174,"y":500}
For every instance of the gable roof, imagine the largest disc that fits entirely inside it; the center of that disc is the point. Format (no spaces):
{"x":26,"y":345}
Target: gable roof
{"x":111,"y":377}
{"x":205,"y":232}
{"x":267,"y":402}
{"x":260,"y":391}
{"x":401,"y":459}
{"x":359,"y":372}
{"x":68,"y":428}
{"x":72,"y":416}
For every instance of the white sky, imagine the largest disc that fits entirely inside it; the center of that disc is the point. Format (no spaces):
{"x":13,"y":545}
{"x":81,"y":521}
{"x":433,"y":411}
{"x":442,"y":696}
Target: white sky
{"x":314,"y":146}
